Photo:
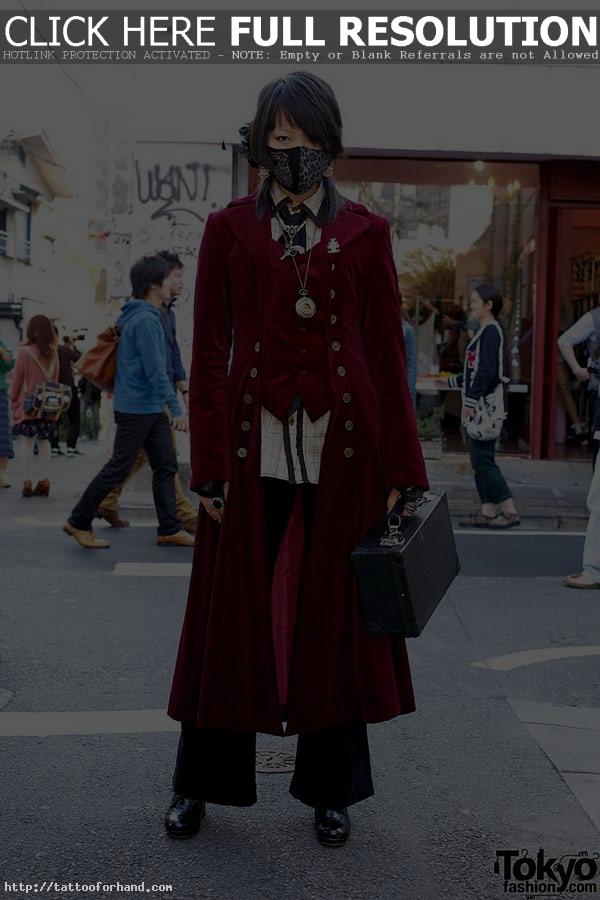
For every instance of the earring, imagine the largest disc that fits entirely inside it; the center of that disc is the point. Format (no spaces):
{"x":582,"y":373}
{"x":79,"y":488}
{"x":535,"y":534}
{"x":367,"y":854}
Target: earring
{"x":263,"y":173}
{"x":329,"y":170}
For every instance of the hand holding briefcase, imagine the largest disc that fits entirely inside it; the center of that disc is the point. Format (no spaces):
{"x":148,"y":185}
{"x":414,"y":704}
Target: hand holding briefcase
{"x":405,"y":566}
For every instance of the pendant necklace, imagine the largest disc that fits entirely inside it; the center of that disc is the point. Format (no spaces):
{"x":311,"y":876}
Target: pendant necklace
{"x":305,"y":305}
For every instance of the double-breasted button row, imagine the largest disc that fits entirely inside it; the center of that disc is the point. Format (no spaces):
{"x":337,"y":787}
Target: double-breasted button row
{"x":346,"y":397}
{"x":348,"y":452}
{"x":242,"y":452}
{"x":335,"y":345}
{"x":245,"y":425}
{"x":341,"y":370}
{"x":247,"y":398}
{"x":257,"y":346}
{"x":253,"y":372}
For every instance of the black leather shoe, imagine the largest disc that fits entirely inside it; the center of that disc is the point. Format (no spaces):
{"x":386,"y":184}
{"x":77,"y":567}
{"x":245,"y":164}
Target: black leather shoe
{"x":332,"y":826}
{"x":183,"y":817}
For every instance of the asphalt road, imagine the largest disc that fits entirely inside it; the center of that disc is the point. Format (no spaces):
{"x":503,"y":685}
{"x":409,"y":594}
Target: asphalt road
{"x":461,"y":778}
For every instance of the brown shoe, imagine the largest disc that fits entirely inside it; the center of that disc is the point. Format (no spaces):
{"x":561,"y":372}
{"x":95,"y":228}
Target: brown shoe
{"x":27,"y":489}
{"x":112,"y":517}
{"x":42,"y":488}
{"x":580,"y":582}
{"x":179,"y":539}
{"x":190,"y":525}
{"x":505,"y":520}
{"x":86,"y":539}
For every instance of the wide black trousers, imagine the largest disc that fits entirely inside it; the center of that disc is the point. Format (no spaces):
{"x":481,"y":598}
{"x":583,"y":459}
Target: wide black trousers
{"x":333,"y":766}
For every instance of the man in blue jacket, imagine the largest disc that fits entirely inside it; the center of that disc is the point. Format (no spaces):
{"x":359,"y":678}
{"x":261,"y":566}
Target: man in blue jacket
{"x":186,"y":512}
{"x":142,"y":389}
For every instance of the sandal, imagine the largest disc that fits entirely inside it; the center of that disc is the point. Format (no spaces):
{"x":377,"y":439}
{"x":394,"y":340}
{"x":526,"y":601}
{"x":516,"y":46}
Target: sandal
{"x":477,"y":520}
{"x":506,"y":520}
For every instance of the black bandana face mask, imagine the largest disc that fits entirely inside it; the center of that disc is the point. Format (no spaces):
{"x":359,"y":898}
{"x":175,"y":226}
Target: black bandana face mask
{"x":298,"y":168}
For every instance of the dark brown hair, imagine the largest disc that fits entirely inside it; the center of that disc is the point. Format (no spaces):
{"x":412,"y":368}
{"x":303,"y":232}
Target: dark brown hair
{"x":489,"y":293}
{"x":308,"y":103}
{"x":42,"y":333}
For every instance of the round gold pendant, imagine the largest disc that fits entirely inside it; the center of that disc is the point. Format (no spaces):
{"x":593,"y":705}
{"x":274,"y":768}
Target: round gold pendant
{"x":305,"y":307}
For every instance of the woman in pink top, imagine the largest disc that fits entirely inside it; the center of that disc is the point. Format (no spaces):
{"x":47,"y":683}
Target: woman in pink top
{"x":37,"y":362}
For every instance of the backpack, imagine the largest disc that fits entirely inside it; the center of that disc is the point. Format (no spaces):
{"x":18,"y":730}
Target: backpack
{"x":49,"y":398}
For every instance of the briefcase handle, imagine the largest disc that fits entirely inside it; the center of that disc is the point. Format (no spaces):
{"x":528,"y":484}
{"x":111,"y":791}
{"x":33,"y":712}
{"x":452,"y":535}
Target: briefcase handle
{"x":394,"y":536}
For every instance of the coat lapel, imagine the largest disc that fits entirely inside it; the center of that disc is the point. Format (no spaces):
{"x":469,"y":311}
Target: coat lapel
{"x":255,"y":234}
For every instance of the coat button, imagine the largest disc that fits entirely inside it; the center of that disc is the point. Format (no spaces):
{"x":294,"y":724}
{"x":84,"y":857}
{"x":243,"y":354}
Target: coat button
{"x":245,"y":425}
{"x":333,"y":318}
{"x":336,"y":346}
{"x":242,"y":452}
{"x":348,"y":452}
{"x":346,"y":397}
{"x":253,"y":373}
{"x":349,"y":424}
{"x":332,"y":293}
{"x":247,"y":398}
{"x":257,"y":346}
{"x":332,"y":266}
{"x":341,"y":370}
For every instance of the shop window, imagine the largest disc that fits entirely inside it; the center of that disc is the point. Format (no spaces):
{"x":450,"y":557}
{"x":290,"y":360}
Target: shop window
{"x":455,"y":225}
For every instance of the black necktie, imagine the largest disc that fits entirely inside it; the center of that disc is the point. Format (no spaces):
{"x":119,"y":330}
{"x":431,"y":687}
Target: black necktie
{"x":297,"y":222}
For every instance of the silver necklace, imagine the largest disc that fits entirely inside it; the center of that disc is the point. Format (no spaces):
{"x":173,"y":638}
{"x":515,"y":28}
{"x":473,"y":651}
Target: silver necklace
{"x":305,"y":305}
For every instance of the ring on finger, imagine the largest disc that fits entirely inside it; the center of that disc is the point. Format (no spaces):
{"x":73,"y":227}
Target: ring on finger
{"x":218,"y":503}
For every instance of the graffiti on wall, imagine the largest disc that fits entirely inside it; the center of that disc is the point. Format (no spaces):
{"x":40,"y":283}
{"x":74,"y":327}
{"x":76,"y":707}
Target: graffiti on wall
{"x":174,"y":188}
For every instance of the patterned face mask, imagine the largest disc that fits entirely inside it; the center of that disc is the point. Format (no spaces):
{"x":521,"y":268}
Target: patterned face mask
{"x":298,"y":168}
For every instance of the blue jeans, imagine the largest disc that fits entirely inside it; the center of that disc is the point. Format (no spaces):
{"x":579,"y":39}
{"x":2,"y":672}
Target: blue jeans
{"x":489,"y":480}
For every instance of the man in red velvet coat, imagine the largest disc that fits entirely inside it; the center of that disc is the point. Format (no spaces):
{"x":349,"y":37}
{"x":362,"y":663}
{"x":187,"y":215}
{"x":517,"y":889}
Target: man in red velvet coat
{"x":253,"y":351}
{"x":225,"y":675}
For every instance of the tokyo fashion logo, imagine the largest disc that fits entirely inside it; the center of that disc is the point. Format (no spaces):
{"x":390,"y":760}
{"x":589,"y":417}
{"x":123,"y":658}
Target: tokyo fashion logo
{"x":571,"y":873}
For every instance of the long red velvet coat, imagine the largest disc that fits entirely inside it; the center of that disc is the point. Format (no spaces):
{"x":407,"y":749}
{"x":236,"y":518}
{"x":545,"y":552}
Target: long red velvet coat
{"x":234,"y":667}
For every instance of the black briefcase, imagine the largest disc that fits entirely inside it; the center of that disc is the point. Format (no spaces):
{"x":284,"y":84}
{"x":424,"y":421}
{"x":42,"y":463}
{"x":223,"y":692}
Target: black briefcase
{"x":405,"y":566}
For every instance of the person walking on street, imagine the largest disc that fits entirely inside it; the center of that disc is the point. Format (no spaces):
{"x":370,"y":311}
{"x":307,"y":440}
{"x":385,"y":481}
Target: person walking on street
{"x":303,"y":435}
{"x":37,"y":362}
{"x":589,"y":577}
{"x":142,"y":389}
{"x":90,"y":403}
{"x":585,"y":329}
{"x":67,"y":355}
{"x":7,"y":363}
{"x":483,"y":368}
{"x":186,"y":512}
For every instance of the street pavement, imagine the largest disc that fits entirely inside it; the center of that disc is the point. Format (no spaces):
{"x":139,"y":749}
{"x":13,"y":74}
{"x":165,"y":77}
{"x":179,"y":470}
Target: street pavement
{"x":502,"y":753}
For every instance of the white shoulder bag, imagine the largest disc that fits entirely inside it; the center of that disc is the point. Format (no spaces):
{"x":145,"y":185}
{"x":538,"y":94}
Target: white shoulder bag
{"x":490,"y":413}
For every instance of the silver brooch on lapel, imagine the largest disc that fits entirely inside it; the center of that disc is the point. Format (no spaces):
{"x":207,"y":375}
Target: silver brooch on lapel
{"x":333,"y":245}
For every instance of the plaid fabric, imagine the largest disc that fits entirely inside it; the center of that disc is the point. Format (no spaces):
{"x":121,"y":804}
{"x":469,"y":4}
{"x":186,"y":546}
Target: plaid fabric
{"x":291,"y":450}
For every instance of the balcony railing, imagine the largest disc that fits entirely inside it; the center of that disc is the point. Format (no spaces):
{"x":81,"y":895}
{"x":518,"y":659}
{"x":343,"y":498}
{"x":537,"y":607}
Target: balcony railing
{"x":11,"y":309}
